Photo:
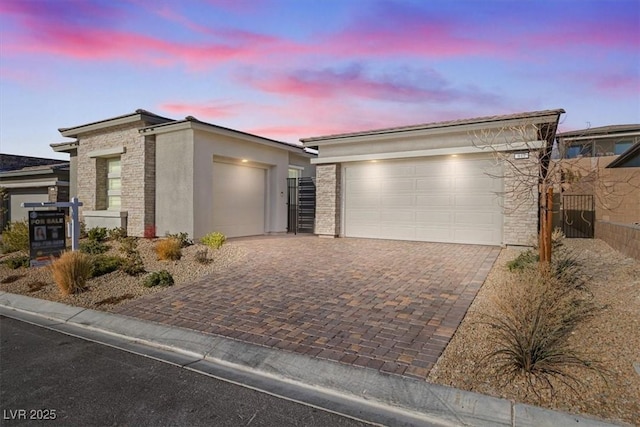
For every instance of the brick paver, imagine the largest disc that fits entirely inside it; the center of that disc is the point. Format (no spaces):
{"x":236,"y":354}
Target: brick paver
{"x":387,"y":305}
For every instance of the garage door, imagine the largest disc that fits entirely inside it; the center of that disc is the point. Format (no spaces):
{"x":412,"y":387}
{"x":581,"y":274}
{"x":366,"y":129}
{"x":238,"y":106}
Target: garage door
{"x":444,"y":199}
{"x":18,"y":213}
{"x":238,"y":199}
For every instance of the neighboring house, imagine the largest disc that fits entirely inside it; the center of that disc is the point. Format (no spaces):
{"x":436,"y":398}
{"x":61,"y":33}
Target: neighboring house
{"x":618,"y":203}
{"x":143,"y":172}
{"x":452,"y":181}
{"x":30,"y":179}
{"x":604,"y":141}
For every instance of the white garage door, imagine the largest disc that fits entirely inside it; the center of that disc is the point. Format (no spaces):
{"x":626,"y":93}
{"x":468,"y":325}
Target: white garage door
{"x":238,"y":199}
{"x":444,"y":199}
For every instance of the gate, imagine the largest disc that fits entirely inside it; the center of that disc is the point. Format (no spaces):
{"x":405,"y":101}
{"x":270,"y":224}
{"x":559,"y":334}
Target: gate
{"x":302,"y":205}
{"x":578,"y":216}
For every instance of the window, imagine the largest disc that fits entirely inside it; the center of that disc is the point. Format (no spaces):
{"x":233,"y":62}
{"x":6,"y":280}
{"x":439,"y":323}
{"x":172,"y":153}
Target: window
{"x":114,"y":183}
{"x":622,"y":146}
{"x":294,"y":172}
{"x":579,"y":150}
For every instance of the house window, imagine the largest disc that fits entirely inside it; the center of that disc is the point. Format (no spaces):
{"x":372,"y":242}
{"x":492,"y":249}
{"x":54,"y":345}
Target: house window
{"x":114,"y":183}
{"x":579,"y":150}
{"x":622,"y":146}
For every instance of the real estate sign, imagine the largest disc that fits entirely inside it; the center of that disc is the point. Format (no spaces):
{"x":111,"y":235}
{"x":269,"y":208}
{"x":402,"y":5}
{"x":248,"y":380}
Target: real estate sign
{"x":46,"y":236}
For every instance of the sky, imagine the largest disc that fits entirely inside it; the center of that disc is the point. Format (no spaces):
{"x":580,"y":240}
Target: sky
{"x":291,"y":69}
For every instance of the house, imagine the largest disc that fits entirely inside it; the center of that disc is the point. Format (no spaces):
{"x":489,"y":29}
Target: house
{"x":617,"y":207}
{"x":603,"y":141}
{"x":30,"y":179}
{"x":463,"y":181}
{"x":146,"y":172}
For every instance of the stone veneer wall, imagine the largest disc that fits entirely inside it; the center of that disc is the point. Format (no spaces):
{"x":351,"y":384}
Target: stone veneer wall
{"x":138,"y":182}
{"x":520,"y":199}
{"x":624,"y":238}
{"x":328,"y":195}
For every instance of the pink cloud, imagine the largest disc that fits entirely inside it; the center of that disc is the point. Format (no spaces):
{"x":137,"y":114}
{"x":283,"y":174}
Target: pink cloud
{"x":204,"y":112}
{"x":403,"y":85}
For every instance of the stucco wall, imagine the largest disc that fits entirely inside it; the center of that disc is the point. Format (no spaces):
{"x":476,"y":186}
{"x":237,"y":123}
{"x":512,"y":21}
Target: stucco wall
{"x":624,"y":238}
{"x":174,"y":183}
{"x":617,"y":192}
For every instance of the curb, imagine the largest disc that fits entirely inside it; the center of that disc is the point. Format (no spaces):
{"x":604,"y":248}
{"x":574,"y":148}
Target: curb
{"x":353,"y":391}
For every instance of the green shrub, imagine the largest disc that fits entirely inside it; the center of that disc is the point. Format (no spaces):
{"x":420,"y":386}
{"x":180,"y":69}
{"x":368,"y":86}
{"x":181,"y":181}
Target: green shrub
{"x":17,"y":262}
{"x":15,"y":237}
{"x":523,"y":260}
{"x":132,"y":264}
{"x":93,"y":247}
{"x":168,"y":249}
{"x":71,"y":271}
{"x":213,"y":240}
{"x":105,"y":264}
{"x":183,"y":238}
{"x":117,"y":233}
{"x":158,"y":278}
{"x":97,"y":234}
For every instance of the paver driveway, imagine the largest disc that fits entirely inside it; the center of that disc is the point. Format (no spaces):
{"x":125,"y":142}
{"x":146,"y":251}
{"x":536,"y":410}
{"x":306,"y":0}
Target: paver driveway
{"x":386,"y":305}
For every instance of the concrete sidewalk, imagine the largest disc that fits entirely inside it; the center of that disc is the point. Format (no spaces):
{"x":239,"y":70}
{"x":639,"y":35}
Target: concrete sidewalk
{"x":357,"y":392}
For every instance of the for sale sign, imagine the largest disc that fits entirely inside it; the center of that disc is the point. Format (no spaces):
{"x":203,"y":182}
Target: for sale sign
{"x":46,"y":236}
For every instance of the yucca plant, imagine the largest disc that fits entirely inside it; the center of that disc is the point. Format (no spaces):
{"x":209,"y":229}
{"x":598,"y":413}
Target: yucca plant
{"x":531,"y":330}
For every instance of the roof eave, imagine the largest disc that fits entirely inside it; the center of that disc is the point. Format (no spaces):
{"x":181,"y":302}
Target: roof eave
{"x":138,"y":115}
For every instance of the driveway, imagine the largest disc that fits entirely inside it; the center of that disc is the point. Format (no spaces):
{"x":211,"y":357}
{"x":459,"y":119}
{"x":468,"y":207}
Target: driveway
{"x":386,"y":305}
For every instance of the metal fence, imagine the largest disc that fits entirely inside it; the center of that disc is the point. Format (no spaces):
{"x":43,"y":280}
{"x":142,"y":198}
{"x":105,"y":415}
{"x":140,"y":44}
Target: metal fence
{"x":578,"y":217}
{"x":302,"y":205}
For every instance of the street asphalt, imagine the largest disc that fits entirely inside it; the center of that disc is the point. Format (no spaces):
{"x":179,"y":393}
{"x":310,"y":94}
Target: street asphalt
{"x":360,"y":393}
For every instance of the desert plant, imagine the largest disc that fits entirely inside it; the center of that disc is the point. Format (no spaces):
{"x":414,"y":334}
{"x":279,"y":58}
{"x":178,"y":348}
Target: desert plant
{"x":93,"y":247}
{"x":158,"y":278}
{"x":17,"y":262}
{"x":105,"y":264}
{"x":71,"y":271}
{"x":133,"y":264}
{"x":12,"y":278}
{"x":183,"y":238}
{"x":523,"y":260}
{"x":15,"y":237}
{"x":531,"y":330}
{"x":202,"y":256}
{"x":117,"y":233}
{"x":213,"y":240}
{"x":97,"y":234}
{"x":168,"y":249}
{"x":149,"y":231}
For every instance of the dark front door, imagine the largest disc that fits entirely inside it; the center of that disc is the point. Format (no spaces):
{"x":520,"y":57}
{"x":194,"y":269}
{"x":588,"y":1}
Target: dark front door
{"x":302,"y":205}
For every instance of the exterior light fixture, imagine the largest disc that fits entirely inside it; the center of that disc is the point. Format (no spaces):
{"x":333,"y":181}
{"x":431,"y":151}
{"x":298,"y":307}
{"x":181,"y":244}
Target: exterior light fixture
{"x":244,"y":160}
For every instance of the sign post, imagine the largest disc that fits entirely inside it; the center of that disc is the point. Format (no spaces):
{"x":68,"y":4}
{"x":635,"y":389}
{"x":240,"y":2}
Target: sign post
{"x":74,"y":204}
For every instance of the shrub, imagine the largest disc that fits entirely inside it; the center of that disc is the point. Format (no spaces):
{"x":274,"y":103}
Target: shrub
{"x":202,"y":258}
{"x":168,"y":249}
{"x":17,"y":262}
{"x":117,"y":233}
{"x":523,"y":260}
{"x":183,"y":238}
{"x":93,"y":247}
{"x":97,"y":234}
{"x":213,"y":240}
{"x":71,"y":271}
{"x":132,"y":264}
{"x":150,"y":232}
{"x":158,"y":278}
{"x":531,"y":330}
{"x":15,"y":237}
{"x":105,"y":264}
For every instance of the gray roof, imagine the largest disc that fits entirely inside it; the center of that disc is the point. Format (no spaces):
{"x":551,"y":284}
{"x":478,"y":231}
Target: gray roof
{"x":138,"y":114}
{"x":601,"y":130}
{"x":629,"y":158}
{"x":444,"y":124}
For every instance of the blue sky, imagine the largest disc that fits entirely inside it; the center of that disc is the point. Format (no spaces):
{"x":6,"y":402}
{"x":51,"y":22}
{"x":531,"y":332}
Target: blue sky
{"x":301,"y":68}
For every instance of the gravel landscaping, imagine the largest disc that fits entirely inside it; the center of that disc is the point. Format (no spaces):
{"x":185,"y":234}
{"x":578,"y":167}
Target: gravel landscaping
{"x":611,"y":336}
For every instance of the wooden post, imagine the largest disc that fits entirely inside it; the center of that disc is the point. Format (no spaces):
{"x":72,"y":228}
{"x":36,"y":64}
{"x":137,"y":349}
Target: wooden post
{"x":546,"y":225}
